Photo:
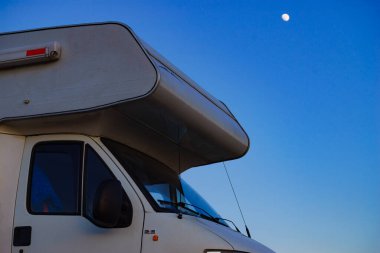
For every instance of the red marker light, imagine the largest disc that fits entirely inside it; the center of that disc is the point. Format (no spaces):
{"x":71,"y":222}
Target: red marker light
{"x":37,"y":51}
{"x":32,"y":54}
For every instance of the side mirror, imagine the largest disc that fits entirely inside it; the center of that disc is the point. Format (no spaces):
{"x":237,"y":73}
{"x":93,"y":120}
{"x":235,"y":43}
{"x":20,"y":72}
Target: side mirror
{"x":109,"y":205}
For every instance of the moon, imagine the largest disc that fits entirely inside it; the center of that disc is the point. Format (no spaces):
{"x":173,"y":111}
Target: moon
{"x":285,"y":17}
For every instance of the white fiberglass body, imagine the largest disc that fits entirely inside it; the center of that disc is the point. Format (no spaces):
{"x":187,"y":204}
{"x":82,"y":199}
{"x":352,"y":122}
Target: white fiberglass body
{"x":95,"y":130}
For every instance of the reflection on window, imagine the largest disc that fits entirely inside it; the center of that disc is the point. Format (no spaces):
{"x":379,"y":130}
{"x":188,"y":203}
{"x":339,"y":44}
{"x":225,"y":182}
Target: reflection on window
{"x":161,"y":184}
{"x":96,"y":173}
{"x":55,"y":179}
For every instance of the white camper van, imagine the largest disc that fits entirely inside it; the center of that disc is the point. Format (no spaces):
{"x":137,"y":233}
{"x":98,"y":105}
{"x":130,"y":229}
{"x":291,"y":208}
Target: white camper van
{"x":95,"y":129}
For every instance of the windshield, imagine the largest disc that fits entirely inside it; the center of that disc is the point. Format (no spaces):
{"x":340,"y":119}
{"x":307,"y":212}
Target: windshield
{"x":162,"y":186}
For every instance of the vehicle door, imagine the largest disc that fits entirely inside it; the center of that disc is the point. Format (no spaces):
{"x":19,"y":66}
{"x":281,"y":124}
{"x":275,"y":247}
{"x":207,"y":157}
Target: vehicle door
{"x":59,"y":200}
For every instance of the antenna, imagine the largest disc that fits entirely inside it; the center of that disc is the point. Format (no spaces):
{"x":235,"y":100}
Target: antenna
{"x":179,"y":215}
{"x":237,"y":201}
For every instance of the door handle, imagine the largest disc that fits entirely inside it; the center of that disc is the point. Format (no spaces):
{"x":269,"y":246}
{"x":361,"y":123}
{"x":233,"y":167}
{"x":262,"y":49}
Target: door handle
{"x":22,"y":236}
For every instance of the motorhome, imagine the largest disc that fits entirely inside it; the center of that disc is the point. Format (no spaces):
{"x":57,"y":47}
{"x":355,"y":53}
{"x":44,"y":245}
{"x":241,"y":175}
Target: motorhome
{"x":96,"y":128}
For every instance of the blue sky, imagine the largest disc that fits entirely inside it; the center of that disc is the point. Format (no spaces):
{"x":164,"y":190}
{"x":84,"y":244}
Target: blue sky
{"x":306,"y":91}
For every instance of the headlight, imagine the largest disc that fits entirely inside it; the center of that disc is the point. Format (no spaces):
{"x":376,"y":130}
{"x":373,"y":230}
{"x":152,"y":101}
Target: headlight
{"x":222,"y":251}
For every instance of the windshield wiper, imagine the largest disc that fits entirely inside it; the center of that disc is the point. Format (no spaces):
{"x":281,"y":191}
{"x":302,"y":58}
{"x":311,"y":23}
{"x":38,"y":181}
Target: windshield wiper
{"x":209,"y":216}
{"x":180,"y":204}
{"x":183,"y":205}
{"x":233,"y":223}
{"x":215,"y":219}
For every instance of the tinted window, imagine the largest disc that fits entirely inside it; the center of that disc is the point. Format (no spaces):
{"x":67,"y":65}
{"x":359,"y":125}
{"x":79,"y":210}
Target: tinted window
{"x":161,"y":184}
{"x":97,"y":173}
{"x":55,"y":178}
{"x":157,"y":181}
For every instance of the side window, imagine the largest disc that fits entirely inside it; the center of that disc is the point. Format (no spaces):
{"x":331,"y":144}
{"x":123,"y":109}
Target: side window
{"x":55,"y":178}
{"x":97,"y":173}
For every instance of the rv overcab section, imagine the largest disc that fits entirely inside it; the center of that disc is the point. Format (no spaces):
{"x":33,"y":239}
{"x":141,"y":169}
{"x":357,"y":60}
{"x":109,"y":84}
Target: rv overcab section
{"x":105,"y":82}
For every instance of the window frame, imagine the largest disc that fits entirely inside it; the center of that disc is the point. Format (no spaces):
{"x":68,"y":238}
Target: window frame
{"x":85,"y":178}
{"x":86,"y":149}
{"x":80,"y":180}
